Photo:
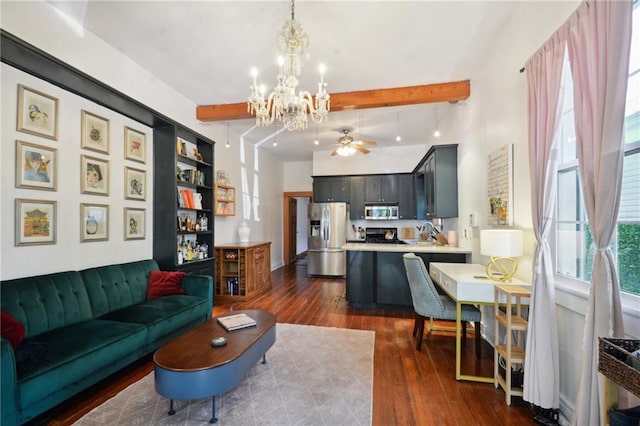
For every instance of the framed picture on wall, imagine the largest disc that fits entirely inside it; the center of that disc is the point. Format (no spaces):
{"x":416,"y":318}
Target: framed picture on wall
{"x":135,"y":184}
{"x":35,"y":222}
{"x":36,"y":166}
{"x":94,"y":175}
{"x":95,"y":132}
{"x":134,"y":223}
{"x":135,"y":145}
{"x":37,"y":113}
{"x":94,"y":222}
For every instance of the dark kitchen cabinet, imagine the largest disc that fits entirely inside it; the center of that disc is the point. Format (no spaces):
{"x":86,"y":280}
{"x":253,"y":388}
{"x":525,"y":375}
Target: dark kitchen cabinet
{"x":331,"y":189}
{"x":406,"y":196}
{"x":441,"y":182}
{"x":357,"y":199}
{"x":378,"y":278}
{"x":381,"y":189}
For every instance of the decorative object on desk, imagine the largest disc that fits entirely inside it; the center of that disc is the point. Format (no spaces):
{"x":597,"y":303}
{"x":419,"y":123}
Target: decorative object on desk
{"x":286,"y":103}
{"x":502,"y":245}
{"x":36,"y":166}
{"x":243,"y":232}
{"x":236,"y":322}
{"x":37,"y":113}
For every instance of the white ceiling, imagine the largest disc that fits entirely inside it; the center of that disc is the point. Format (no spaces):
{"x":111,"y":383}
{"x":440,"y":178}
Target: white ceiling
{"x":206,"y":49}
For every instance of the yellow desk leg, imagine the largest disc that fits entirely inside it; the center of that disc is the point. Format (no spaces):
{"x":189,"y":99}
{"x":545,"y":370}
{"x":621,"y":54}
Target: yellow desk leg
{"x":458,"y":338}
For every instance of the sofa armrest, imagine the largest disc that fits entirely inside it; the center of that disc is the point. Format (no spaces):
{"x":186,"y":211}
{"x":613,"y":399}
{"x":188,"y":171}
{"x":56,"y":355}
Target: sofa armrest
{"x":199,"y":285}
{"x":8,"y":383}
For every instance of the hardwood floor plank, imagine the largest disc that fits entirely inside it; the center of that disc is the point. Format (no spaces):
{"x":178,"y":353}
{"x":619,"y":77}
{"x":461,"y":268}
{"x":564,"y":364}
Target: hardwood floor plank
{"x":410,"y":387}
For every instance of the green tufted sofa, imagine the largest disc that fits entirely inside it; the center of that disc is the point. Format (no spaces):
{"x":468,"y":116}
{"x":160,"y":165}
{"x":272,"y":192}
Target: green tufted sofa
{"x":82,"y":326}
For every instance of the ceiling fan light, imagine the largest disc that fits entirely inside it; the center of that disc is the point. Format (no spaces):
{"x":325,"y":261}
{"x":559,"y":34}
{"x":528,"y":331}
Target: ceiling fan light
{"x":345,"y":151}
{"x":316,"y":142}
{"x":398,"y":138}
{"x":436,"y":133}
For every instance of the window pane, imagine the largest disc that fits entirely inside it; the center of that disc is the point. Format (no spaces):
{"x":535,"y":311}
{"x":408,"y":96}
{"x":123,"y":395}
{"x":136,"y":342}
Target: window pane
{"x":568,"y":196}
{"x":575,"y":250}
{"x":630,"y":193}
{"x":628,"y":255}
{"x":567,"y":128}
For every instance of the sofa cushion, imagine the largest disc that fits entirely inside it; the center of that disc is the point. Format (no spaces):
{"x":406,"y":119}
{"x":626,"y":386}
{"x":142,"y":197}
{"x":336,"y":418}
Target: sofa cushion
{"x":46,"y":302}
{"x":164,"y":314}
{"x":164,"y":283}
{"x":11,"y":329}
{"x":115,"y":287}
{"x":71,"y":353}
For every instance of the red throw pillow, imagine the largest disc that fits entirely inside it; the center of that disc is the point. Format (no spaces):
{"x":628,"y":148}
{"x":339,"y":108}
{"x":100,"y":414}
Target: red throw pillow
{"x":164,"y":283}
{"x":11,"y":329}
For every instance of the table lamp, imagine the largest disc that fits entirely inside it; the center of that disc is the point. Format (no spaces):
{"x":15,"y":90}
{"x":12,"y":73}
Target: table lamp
{"x":502,"y":245}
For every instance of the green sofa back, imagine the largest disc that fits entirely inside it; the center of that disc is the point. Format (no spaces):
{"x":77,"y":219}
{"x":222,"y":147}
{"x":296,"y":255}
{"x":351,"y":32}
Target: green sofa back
{"x":117,"y":286}
{"x":42,"y":306}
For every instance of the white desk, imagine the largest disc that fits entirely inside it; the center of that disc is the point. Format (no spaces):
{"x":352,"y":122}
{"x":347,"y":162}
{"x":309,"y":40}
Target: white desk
{"x":466,"y":284}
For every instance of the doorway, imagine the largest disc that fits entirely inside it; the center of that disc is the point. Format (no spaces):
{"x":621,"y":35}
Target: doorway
{"x":291,"y":214}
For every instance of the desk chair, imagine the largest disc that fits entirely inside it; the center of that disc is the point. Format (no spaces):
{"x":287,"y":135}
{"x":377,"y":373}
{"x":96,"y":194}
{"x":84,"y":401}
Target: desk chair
{"x":427,"y":303}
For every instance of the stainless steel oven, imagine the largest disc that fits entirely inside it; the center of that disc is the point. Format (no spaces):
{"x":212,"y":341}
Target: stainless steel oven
{"x":381,"y":211}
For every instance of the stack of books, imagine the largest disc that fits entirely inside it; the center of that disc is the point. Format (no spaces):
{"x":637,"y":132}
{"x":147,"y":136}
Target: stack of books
{"x":236,"y":322}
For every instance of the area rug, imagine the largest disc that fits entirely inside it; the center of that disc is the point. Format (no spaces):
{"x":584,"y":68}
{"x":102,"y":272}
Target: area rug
{"x":313,"y":376}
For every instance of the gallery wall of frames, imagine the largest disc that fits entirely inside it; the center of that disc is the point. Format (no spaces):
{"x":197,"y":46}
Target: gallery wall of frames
{"x":76,"y":181}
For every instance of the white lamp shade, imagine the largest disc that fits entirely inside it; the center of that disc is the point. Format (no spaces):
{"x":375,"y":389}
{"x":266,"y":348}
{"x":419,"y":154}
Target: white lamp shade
{"x":501,"y":242}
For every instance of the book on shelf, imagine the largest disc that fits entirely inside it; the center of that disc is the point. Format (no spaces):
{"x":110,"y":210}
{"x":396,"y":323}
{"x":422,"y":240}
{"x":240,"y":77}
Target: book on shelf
{"x":236,"y":322}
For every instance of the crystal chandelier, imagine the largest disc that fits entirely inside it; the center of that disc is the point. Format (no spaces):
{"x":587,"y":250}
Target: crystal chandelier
{"x":283,"y":103}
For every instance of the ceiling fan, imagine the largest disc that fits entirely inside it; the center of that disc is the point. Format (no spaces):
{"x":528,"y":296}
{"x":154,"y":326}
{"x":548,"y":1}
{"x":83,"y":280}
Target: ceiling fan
{"x":347,"y":145}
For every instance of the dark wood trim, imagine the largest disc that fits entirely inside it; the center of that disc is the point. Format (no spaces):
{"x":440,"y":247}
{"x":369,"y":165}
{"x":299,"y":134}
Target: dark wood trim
{"x":362,"y":99}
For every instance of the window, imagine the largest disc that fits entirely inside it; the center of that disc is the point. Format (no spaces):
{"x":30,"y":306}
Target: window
{"x":574,"y":244}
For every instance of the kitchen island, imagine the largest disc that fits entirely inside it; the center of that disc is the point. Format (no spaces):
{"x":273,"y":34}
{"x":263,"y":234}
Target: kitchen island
{"x":376,"y":276}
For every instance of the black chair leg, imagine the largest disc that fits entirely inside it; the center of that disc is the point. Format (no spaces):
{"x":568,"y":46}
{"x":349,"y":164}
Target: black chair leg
{"x":415,"y":325}
{"x":478,"y":339}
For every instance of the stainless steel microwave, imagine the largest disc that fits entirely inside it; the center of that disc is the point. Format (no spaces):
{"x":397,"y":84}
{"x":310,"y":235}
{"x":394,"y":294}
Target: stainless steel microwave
{"x":381,"y":211}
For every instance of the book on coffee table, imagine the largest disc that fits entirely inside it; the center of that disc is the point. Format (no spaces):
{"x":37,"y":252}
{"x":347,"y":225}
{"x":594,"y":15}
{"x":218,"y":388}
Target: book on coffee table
{"x":236,"y":322}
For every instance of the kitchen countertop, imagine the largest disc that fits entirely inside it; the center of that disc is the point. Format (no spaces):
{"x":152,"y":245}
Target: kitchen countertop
{"x":411,"y":247}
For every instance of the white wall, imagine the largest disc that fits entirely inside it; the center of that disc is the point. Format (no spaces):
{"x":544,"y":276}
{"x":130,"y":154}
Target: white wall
{"x":381,"y":160}
{"x":38,"y":23}
{"x":297,"y":176}
{"x":68,"y":252}
{"x":496,"y":115}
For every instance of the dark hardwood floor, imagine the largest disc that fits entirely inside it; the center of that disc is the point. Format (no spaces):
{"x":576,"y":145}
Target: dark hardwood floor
{"x":409,"y":387}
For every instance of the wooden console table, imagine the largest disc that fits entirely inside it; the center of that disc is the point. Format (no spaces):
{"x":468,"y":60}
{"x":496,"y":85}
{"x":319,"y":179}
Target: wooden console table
{"x":243,"y":270}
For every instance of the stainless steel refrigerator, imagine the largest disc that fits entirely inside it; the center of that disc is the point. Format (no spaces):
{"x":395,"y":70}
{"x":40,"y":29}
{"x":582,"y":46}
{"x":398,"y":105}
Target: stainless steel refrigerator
{"x":327,"y":235}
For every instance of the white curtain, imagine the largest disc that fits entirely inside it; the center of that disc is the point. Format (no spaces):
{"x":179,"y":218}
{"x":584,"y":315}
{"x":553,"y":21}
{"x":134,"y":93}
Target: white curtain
{"x":599,"y":41}
{"x":544,"y":74}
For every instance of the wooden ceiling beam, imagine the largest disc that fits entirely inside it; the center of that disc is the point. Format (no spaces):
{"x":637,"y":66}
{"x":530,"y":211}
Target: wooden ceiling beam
{"x":378,"y":98}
